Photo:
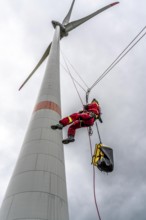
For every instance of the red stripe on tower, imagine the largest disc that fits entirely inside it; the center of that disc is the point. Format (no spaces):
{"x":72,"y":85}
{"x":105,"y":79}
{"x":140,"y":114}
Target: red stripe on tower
{"x":47,"y":105}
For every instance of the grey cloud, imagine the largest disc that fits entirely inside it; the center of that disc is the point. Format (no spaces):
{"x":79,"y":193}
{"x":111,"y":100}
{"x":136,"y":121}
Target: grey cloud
{"x":90,"y":48}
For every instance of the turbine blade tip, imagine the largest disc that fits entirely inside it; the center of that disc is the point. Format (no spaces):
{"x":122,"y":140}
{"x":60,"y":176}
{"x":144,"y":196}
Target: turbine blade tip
{"x":115,"y":3}
{"x":21,"y":87}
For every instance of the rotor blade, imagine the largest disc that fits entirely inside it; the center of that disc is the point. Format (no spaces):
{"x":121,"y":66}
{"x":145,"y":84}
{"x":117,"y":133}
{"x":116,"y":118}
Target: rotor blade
{"x":75,"y":24}
{"x":38,"y":65}
{"x":67,"y":18}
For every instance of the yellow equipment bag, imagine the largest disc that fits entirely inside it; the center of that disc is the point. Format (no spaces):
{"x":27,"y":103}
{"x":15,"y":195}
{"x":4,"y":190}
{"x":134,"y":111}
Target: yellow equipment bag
{"x":103,"y":158}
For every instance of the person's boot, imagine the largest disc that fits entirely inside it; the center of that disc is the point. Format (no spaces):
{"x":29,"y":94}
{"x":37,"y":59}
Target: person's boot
{"x":57,"y":126}
{"x":68,"y":140}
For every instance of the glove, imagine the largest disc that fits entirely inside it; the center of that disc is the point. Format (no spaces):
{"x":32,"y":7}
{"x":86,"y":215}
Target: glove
{"x":85,"y":107}
{"x":100,"y":119}
{"x":81,"y":111}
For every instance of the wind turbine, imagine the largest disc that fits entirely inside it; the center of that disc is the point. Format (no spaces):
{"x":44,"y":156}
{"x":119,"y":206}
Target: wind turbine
{"x":37,"y":189}
{"x":65,"y":28}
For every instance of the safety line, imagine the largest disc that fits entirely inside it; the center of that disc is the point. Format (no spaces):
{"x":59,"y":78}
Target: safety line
{"x":73,"y":78}
{"x":123,"y":51}
{"x":74,"y":69}
{"x":118,"y":59}
{"x":94,"y":180}
{"x":98,"y":132}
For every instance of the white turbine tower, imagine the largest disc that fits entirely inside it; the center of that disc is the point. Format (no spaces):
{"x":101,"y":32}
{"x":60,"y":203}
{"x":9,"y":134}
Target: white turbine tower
{"x":37,"y":189}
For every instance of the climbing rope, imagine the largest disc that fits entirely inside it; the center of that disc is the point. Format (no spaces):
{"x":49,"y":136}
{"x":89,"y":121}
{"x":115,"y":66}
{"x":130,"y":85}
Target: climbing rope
{"x":94,"y":179}
{"x":72,"y":79}
{"x":90,"y":132}
{"x":119,"y":58}
{"x":98,"y":133}
{"x":79,"y":75}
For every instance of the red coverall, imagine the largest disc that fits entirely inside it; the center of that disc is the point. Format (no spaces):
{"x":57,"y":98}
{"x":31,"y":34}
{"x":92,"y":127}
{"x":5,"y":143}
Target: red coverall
{"x":84,"y":119}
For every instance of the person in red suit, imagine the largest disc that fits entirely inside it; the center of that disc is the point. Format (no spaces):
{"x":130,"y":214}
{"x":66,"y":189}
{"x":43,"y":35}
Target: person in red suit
{"x":84,"y":118}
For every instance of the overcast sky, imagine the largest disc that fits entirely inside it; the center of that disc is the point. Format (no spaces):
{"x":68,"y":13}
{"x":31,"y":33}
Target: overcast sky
{"x":25,"y":32}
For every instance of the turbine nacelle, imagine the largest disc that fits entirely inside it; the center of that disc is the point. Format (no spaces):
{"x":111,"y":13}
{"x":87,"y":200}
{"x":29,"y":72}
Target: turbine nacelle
{"x":63,"y":31}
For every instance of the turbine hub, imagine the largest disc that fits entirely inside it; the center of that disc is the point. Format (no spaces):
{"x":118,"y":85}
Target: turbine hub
{"x":63,"y":32}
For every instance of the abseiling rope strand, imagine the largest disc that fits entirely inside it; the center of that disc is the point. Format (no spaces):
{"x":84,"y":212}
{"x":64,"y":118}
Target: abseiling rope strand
{"x":83,"y":81}
{"x":119,"y":58}
{"x":67,"y":60}
{"x":73,"y":81}
{"x":73,"y":78}
{"x":94,"y":179}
